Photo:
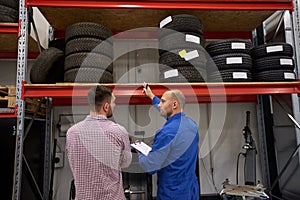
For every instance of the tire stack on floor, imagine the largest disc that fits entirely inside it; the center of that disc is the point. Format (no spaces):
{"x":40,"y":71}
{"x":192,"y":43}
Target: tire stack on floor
{"x":233,"y":60}
{"x":181,"y":55}
{"x":89,"y":53}
{"x":273,"y":62}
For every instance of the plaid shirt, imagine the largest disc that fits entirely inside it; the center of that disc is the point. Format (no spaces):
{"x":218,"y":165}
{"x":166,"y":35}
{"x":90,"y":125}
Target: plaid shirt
{"x":97,"y":149}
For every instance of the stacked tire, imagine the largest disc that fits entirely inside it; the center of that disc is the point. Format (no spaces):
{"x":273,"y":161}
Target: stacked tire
{"x":182,"y":57}
{"x":9,"y":11}
{"x":273,"y":62}
{"x":48,"y":67}
{"x":233,"y":60}
{"x":88,"y":53}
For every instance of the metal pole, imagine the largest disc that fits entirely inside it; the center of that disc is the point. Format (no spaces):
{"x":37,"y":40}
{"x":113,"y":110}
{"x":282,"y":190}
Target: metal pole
{"x":21,"y":72}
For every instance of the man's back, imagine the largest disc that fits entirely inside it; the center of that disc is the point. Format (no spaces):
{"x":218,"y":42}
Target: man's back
{"x":97,"y":149}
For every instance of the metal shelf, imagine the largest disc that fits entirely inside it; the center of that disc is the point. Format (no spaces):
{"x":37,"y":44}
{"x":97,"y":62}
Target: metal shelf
{"x":75,"y":93}
{"x":172,"y":4}
{"x":9,"y":28}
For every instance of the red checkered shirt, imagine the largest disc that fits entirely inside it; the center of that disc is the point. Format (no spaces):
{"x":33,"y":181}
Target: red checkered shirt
{"x":97,"y":149}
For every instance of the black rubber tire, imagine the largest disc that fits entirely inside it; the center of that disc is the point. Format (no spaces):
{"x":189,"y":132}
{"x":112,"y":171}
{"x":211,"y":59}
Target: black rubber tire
{"x":274,"y":75}
{"x":281,"y":49}
{"x":88,"y":60}
{"x":229,"y":75}
{"x":88,"y":75}
{"x":8,"y":14}
{"x":10,"y":3}
{"x":229,"y":46}
{"x":178,"y":41}
{"x":48,"y":67}
{"x":185,"y":74}
{"x":88,"y":29}
{"x":222,"y":61}
{"x":81,"y":45}
{"x":174,"y":59}
{"x":181,"y":23}
{"x":273,"y":63}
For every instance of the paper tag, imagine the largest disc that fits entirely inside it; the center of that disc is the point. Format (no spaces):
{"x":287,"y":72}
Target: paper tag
{"x":165,"y":21}
{"x":285,"y":61}
{"x":182,"y":53}
{"x":192,"y":38}
{"x":191,"y":55}
{"x":234,"y":60}
{"x":289,"y":75}
{"x":274,"y":48}
{"x":238,"y":45}
{"x":171,"y":73}
{"x":236,"y":75}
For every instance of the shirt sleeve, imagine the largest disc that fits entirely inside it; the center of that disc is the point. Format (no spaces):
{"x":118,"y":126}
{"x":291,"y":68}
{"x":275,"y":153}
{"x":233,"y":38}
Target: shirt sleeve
{"x":158,"y":156}
{"x":126,"y":155}
{"x":155,"y":102}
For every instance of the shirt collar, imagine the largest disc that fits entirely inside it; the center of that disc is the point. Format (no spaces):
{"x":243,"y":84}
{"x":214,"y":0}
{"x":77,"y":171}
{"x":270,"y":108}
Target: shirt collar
{"x":95,"y":117}
{"x":176,"y":116}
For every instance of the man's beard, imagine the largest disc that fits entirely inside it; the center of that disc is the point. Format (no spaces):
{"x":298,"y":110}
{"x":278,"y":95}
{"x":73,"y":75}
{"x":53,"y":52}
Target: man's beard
{"x":110,"y":113}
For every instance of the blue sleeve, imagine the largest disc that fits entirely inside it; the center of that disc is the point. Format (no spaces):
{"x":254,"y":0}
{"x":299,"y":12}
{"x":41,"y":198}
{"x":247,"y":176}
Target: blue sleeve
{"x":157,"y":156}
{"x":155,"y":102}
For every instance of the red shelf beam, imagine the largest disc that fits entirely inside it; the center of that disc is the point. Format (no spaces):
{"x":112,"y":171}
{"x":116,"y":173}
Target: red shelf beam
{"x":172,"y":4}
{"x":9,"y":28}
{"x":69,"y":94}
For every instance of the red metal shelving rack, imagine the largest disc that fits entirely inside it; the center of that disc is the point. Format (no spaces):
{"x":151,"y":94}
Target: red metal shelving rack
{"x":172,"y":4}
{"x":9,"y":28}
{"x":62,"y":94}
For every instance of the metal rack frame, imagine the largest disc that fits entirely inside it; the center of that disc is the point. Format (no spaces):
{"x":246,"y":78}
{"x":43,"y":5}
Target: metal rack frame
{"x":24,"y":90}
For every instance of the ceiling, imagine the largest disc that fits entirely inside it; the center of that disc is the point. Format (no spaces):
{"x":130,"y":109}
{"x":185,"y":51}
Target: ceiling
{"x":119,"y":20}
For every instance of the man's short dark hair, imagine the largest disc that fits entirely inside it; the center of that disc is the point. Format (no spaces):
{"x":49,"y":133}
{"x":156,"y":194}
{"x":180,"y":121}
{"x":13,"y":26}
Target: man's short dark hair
{"x":98,"y":95}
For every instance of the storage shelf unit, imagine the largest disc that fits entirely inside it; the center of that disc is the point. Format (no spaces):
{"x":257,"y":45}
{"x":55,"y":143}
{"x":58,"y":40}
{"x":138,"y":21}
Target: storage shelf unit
{"x":257,"y":10}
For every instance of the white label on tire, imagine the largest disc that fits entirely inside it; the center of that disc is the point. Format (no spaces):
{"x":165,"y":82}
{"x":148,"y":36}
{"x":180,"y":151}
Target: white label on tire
{"x":289,"y":75}
{"x":234,"y":60}
{"x":274,"y":48}
{"x":171,"y":73}
{"x":284,"y":61}
{"x":165,"y":21}
{"x":191,"y":55}
{"x":192,"y":38}
{"x":239,"y":75}
{"x":238,"y":45}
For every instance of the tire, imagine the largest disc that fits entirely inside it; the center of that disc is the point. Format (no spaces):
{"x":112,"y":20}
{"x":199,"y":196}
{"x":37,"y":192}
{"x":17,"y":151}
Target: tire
{"x":88,"y":60}
{"x":233,"y":61}
{"x":275,"y":75}
{"x":180,"y":23}
{"x":8,"y":14}
{"x":229,"y":46}
{"x":94,"y":45}
{"x":181,"y":74}
{"x":179,"y":41}
{"x":48,"y":67}
{"x":88,"y":29}
{"x":10,"y":3}
{"x":273,"y":63}
{"x":174,"y":59}
{"x":88,"y":75}
{"x":230,"y":75}
{"x":272,"y":49}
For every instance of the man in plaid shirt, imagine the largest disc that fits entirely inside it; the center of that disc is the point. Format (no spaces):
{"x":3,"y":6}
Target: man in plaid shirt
{"x":97,"y":149}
